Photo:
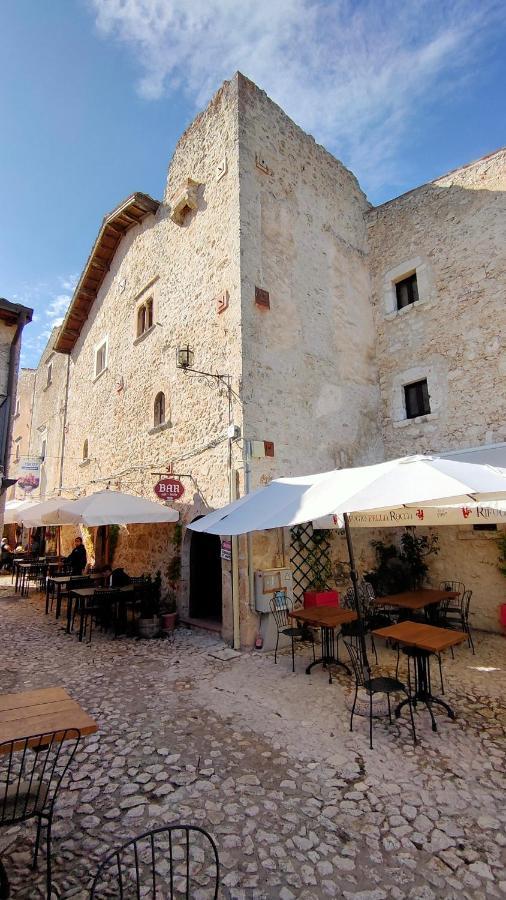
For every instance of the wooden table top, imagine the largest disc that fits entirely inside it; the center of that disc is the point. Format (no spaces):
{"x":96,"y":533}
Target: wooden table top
{"x":415,"y":599}
{"x":426,"y":637}
{"x":90,"y":591}
{"x":324,"y":616}
{"x":61,"y":579}
{"x":36,"y":712}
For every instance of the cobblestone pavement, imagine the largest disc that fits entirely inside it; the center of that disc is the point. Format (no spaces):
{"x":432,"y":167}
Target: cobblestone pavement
{"x":299,"y":807}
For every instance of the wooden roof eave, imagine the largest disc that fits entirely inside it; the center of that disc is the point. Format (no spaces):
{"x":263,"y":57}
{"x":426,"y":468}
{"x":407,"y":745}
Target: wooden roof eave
{"x":129,"y":213}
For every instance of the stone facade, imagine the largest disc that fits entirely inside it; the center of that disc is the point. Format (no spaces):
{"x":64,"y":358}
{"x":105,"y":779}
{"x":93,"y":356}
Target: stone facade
{"x":13,"y":318}
{"x":21,"y":428}
{"x":267,"y":260}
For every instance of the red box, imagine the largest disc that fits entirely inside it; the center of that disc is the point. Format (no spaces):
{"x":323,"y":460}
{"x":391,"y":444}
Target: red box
{"x":320,"y":598}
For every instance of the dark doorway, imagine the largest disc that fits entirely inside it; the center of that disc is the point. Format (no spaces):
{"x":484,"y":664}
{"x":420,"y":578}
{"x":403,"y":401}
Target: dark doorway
{"x":205,"y":577}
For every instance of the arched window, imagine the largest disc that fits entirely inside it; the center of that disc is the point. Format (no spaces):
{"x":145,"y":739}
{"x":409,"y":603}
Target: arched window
{"x":85,"y":449}
{"x":159,"y":410}
{"x":145,"y":316}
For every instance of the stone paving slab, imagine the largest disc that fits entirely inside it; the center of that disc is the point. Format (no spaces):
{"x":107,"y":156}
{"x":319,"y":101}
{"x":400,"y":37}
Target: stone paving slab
{"x":263,"y":759}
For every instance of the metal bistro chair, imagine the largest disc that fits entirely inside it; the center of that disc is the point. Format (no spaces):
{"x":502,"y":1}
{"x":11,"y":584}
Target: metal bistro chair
{"x":101,"y":608}
{"x":175,"y":861}
{"x":31,"y":772}
{"x":380,"y":684}
{"x":456,"y":616}
{"x":280,"y":607}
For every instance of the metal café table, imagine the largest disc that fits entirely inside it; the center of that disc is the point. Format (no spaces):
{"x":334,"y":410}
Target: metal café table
{"x":426,"y":640}
{"x":60,"y":583}
{"x":327,"y":618}
{"x":81,"y":595}
{"x":32,"y":713}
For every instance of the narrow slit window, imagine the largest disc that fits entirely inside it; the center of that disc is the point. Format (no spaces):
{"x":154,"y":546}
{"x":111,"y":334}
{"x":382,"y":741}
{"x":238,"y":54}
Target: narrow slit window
{"x":85,"y":449}
{"x":100,"y":359}
{"x":406,"y":291}
{"x":417,"y":399}
{"x":159,"y":410}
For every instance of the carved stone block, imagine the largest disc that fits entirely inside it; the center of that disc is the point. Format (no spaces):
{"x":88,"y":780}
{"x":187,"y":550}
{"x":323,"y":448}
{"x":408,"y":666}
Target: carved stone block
{"x":184,"y":200}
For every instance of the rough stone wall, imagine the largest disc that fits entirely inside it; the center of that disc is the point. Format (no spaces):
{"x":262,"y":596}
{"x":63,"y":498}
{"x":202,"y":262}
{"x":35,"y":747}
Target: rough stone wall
{"x":310,"y":378}
{"x":183,"y":268}
{"x":49,"y":393}
{"x":452,"y":232}
{"x":454,"y":229}
{"x":21,"y":424}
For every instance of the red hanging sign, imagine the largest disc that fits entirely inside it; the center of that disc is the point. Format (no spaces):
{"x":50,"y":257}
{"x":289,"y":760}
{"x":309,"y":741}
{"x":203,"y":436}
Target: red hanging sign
{"x":169,"y":489}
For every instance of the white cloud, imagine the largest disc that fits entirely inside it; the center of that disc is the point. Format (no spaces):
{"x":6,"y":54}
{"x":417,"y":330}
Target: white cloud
{"x":49,"y":305}
{"x":355,"y":75}
{"x":56,"y":309}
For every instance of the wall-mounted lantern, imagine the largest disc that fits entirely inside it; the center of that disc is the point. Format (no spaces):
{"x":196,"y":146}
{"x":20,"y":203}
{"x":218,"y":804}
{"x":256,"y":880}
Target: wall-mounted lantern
{"x":184,"y":357}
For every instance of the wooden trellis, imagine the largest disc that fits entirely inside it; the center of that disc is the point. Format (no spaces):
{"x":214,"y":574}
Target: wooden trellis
{"x":310,"y":558}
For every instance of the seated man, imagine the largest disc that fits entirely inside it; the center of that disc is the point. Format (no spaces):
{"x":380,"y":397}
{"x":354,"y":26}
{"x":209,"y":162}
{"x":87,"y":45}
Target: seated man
{"x":77,"y":558}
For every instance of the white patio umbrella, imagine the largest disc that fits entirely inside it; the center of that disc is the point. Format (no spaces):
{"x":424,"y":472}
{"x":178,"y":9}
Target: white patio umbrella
{"x":14,"y":510}
{"x":35,"y":515}
{"x":412,"y":481}
{"x":110,"y":508}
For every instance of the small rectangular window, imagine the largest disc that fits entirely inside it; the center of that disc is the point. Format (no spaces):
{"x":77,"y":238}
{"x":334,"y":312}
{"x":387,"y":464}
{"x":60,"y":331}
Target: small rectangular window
{"x":406,"y":291}
{"x":49,"y":374}
{"x":100,"y":358}
{"x":417,"y":399}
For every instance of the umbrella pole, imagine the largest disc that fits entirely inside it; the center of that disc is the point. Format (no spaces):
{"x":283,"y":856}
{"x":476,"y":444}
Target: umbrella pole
{"x":354,"y":581}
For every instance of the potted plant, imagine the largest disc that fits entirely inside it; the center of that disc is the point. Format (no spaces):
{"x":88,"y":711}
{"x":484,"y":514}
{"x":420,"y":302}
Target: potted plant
{"x":168,"y":612}
{"x":149,"y":621}
{"x":318,"y":593}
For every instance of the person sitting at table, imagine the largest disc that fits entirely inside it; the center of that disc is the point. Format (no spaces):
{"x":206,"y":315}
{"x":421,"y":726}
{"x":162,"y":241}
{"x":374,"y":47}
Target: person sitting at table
{"x":77,"y":558}
{"x":5,"y":555}
{"x":119,"y":578}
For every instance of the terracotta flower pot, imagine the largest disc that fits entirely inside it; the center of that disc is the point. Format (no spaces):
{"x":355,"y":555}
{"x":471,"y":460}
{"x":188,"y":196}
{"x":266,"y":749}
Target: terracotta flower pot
{"x":168,"y":621}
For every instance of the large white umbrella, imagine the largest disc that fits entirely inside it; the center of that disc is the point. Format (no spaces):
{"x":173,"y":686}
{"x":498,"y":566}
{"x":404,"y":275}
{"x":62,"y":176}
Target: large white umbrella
{"x":413,"y":481}
{"x":37,"y":513}
{"x":14,"y":509}
{"x":110,"y":508}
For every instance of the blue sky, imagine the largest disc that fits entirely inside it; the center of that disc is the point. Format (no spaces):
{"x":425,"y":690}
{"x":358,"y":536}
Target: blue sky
{"x":95,"y":94}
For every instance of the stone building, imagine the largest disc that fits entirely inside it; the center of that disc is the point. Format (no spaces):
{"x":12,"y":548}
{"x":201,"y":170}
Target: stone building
{"x":321,"y":332}
{"x":13,"y":318}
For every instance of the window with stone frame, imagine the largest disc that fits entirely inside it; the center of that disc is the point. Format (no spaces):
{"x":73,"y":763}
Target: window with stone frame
{"x":406,"y":291}
{"x":101,"y":358}
{"x":145,"y":316}
{"x":159,"y":409}
{"x":417,"y":399}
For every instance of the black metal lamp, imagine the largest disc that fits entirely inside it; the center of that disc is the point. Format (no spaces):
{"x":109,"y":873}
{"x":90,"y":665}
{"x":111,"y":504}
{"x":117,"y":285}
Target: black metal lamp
{"x":184,"y":357}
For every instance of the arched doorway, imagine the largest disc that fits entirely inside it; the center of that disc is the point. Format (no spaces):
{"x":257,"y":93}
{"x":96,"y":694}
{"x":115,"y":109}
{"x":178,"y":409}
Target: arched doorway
{"x":205,"y":577}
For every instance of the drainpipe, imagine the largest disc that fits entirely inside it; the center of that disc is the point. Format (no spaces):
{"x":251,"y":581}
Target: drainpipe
{"x":249,"y":536}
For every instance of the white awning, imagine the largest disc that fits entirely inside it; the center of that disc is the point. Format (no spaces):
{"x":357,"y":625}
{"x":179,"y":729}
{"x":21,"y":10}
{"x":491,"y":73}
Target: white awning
{"x":109,"y":508}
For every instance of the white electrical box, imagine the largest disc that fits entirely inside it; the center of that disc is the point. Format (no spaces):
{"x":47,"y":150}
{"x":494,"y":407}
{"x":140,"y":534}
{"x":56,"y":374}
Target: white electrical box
{"x":267,"y":582}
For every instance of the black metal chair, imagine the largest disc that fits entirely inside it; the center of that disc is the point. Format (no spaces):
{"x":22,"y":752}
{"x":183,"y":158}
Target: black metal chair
{"x":101,"y":608}
{"x":172,"y":862}
{"x":456,"y":616}
{"x":31,"y":772}
{"x":381,"y":684}
{"x":284,"y":625}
